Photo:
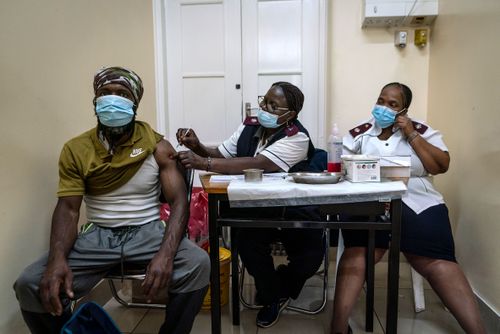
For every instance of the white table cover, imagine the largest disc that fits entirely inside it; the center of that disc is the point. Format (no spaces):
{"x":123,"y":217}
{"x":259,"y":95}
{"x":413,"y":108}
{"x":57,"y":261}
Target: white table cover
{"x":279,"y":192}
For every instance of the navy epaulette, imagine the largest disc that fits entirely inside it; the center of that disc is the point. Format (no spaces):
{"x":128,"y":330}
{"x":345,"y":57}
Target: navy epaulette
{"x":360,"y":129}
{"x":251,"y":120}
{"x":419,"y":127}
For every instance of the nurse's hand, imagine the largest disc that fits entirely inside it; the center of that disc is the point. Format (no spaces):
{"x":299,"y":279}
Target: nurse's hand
{"x":188,"y":138}
{"x":191,"y":160}
{"x":405,"y":124}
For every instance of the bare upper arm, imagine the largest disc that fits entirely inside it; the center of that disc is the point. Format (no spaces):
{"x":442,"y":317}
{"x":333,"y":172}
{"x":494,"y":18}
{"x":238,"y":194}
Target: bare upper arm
{"x":171,"y":178}
{"x":69,"y":204}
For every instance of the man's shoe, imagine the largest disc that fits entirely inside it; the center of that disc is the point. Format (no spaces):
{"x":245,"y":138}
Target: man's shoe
{"x":270,"y":314}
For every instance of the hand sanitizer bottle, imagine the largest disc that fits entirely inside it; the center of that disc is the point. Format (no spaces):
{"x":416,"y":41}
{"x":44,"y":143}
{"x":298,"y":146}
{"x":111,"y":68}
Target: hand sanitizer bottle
{"x":334,"y":150}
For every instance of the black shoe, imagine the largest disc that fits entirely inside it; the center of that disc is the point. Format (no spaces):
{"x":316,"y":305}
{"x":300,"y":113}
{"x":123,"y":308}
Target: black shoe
{"x":270,"y":314}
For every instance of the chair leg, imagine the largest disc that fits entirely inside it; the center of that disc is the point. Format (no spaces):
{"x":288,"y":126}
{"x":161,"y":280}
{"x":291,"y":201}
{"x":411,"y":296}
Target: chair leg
{"x":418,"y":290}
{"x":340,"y":250}
{"x":242,"y":298}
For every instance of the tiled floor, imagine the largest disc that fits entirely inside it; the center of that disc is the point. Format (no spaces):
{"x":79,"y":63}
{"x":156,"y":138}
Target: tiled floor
{"x":435,"y":319}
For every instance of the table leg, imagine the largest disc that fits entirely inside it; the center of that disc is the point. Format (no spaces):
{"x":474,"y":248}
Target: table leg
{"x":213,"y":232}
{"x":235,"y":301}
{"x":393,"y":279}
{"x":370,"y":280}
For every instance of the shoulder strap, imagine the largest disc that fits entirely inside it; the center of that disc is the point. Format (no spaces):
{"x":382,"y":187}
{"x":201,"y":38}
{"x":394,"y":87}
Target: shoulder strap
{"x":360,"y":129}
{"x":419,"y":127}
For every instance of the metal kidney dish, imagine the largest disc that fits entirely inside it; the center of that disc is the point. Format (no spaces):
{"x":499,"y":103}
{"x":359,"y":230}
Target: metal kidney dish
{"x":316,"y":178}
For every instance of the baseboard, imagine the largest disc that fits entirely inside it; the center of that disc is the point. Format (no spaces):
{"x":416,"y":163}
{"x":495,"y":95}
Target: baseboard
{"x":490,"y":317}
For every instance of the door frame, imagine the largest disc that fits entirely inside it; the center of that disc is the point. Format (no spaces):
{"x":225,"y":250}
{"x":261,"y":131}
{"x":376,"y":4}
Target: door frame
{"x":160,"y":52}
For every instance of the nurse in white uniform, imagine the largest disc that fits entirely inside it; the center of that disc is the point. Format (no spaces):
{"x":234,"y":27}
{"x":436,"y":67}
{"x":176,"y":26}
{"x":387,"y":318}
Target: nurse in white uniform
{"x":426,"y":236}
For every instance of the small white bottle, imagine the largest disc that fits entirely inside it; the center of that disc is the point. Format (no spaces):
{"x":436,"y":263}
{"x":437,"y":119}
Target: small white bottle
{"x":335,"y":150}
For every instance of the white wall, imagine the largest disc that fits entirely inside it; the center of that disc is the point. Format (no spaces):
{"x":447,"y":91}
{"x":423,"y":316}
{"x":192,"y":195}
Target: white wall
{"x":464,"y":101}
{"x":50,"y":51}
{"x":455,"y":81}
{"x":361,"y":61}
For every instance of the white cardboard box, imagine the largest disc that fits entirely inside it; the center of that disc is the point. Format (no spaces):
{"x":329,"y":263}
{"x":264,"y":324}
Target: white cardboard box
{"x":395,"y":167}
{"x":361,"y":168}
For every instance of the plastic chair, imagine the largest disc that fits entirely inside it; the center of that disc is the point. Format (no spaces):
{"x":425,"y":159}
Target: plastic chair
{"x":324,"y":272}
{"x":136,"y":272}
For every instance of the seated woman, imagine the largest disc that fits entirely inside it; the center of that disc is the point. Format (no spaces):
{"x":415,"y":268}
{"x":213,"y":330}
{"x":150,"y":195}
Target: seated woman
{"x":426,"y":236}
{"x":276,"y":141}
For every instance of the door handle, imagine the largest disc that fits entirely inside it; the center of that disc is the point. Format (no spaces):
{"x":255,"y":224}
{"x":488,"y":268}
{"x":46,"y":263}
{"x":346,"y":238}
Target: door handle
{"x":248,"y":109}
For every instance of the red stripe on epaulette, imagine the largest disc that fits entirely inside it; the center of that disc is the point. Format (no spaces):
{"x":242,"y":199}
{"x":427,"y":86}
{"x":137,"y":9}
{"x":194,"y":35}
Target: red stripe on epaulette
{"x":419,"y":127}
{"x":360,"y":129}
{"x":251,"y":120}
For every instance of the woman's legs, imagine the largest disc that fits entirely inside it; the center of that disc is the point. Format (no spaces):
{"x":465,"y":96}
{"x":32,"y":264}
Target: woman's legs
{"x":450,"y":284}
{"x":350,"y":280}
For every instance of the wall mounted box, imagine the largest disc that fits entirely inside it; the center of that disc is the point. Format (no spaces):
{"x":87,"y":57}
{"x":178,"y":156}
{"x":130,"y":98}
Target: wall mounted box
{"x":396,"y":13}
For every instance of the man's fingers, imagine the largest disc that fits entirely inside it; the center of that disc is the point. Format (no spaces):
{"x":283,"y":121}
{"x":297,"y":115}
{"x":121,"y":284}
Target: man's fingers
{"x":54,"y":299}
{"x":153,"y":291}
{"x":68,"y":286}
{"x":146,"y":284}
{"x":45,"y":297}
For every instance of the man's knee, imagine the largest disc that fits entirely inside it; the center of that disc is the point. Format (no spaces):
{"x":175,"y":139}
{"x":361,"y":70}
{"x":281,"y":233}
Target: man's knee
{"x":202,"y":262}
{"x":26,"y":289}
{"x":193,"y":273}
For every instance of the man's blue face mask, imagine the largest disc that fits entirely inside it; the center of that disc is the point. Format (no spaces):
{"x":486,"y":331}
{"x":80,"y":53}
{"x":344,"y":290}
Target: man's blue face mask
{"x":114,"y":110}
{"x":384,"y":116}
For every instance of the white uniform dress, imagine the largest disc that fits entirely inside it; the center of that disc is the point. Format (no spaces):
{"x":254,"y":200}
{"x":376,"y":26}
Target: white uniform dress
{"x":421,"y":195}
{"x":285,"y":152}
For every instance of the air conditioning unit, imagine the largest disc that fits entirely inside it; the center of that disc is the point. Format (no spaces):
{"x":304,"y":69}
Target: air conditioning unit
{"x":396,"y":13}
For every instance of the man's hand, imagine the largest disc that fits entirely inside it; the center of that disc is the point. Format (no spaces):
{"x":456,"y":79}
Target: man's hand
{"x":57,"y":277}
{"x":158,"y":276}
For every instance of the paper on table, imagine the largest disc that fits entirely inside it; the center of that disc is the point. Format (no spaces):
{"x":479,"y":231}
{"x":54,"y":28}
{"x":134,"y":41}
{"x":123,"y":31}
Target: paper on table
{"x":225,"y":178}
{"x":228,"y":178}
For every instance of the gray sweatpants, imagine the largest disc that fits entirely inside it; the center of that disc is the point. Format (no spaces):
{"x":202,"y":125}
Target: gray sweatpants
{"x":98,"y":249}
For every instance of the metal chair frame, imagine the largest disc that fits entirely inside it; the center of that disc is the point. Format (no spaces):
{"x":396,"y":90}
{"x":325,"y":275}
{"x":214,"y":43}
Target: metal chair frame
{"x":139,"y":275}
{"x":326,"y":237}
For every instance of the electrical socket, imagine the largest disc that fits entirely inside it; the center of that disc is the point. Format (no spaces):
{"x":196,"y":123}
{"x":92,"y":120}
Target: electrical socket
{"x":400,"y":38}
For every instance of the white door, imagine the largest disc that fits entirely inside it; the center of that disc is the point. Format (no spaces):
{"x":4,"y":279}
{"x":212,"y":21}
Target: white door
{"x":215,"y":56}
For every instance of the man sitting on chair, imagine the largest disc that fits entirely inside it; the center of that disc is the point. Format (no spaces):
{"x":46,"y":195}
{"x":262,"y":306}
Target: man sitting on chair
{"x":119,"y":168}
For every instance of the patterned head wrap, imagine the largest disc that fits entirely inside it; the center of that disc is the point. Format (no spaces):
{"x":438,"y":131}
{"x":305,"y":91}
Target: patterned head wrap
{"x":120,"y":75}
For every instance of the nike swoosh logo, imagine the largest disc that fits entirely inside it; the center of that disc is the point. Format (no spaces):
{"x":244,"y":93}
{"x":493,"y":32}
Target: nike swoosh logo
{"x":136,"y":152}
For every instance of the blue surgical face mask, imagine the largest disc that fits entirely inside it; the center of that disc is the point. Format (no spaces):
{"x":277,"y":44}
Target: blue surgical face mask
{"x":114,"y":110}
{"x":384,"y":116}
{"x":268,"y":120}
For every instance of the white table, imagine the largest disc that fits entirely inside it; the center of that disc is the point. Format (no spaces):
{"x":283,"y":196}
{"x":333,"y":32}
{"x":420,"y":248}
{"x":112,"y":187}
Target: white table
{"x":347,"y":198}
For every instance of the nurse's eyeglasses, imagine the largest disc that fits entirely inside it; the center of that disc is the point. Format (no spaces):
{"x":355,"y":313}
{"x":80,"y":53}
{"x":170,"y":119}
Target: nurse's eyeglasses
{"x":263,"y":102}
